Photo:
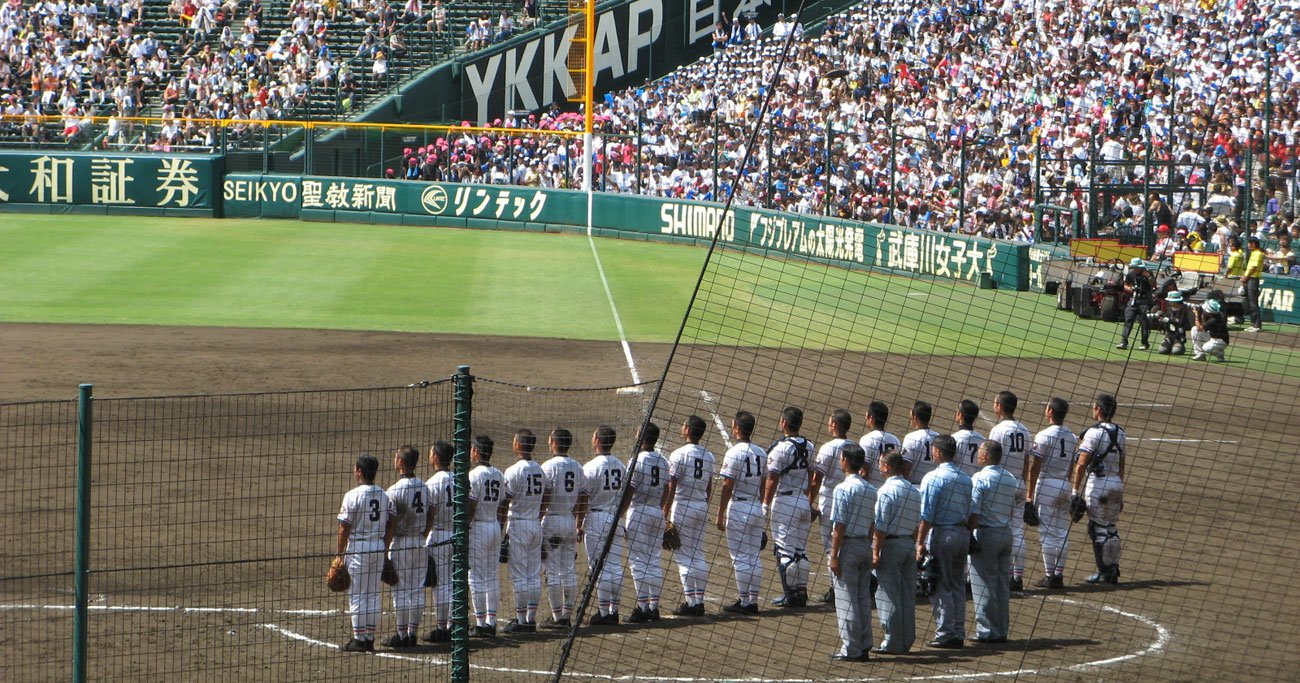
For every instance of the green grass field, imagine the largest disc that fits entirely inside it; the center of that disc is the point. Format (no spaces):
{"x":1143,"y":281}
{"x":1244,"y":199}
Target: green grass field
{"x":254,"y":273}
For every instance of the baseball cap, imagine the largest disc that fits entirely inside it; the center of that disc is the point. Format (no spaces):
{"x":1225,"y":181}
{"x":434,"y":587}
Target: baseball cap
{"x":1136,"y":263}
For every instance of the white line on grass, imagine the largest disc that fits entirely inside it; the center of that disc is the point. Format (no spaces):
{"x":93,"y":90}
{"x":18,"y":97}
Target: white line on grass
{"x":712,"y":402}
{"x":609,"y":296}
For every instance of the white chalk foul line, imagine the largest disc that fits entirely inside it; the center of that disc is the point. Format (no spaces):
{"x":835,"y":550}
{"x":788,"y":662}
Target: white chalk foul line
{"x":1161,"y":641}
{"x":618,"y":321}
{"x":711,"y":402}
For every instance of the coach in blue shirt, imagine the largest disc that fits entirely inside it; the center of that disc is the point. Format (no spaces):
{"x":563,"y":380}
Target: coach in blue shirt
{"x":993,"y":503}
{"x":945,"y":513}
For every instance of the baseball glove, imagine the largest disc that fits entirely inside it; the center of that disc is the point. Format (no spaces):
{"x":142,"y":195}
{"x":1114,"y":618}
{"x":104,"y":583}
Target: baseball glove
{"x":1031,"y":515}
{"x":672,"y":539}
{"x":504,"y":556}
{"x":389,"y":574}
{"x":1078,"y":507}
{"x":337,"y":578}
{"x":762,"y":541}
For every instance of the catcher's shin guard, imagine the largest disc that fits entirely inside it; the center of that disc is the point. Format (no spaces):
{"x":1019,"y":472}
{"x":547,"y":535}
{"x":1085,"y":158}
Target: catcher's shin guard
{"x":1098,"y":537}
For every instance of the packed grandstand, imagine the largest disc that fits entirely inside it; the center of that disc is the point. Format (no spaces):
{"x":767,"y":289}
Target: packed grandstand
{"x":883,"y":112}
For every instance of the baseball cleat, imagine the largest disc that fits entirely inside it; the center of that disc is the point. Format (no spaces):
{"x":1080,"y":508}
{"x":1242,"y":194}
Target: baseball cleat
{"x":354,"y":645}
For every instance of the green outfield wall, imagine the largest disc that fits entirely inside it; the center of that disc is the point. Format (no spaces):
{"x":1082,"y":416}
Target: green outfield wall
{"x":85,"y":182}
{"x":836,"y":242}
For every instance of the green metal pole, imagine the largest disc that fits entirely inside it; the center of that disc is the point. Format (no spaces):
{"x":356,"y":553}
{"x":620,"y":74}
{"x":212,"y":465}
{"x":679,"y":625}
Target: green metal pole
{"x":1092,"y":183}
{"x":1268,"y":118}
{"x":826,"y":172}
{"x":1148,"y":227}
{"x":81,"y":571}
{"x":893,"y":173}
{"x":464,"y":397}
{"x":961,"y":186}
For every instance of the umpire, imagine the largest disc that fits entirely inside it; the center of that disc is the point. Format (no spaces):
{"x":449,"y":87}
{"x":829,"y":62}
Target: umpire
{"x":853,"y":507}
{"x":992,"y":505}
{"x":945,"y":513}
{"x":898,"y":513}
{"x":1140,"y":285}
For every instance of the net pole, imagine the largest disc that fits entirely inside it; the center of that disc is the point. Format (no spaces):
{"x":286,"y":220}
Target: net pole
{"x":81,"y":575}
{"x":464,"y":397}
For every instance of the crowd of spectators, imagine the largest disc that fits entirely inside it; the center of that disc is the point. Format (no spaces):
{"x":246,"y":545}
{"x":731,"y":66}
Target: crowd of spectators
{"x":955,"y":94}
{"x":75,"y":59}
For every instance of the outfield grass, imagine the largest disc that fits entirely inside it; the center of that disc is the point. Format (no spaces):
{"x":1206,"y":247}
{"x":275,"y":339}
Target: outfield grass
{"x":290,"y":274}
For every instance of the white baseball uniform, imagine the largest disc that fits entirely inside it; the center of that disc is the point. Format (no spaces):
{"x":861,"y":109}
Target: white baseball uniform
{"x":410,"y":499}
{"x":791,"y":514}
{"x":565,"y":482}
{"x":485,"y":491}
{"x":365,"y":510}
{"x":745,"y":464}
{"x":644,"y":526}
{"x":1016,"y":442}
{"x":1106,"y":442}
{"x":876,"y":443}
{"x":917,"y":453}
{"x":524,"y":485}
{"x":606,"y":476}
{"x":1054,"y":447}
{"x":440,"y":497}
{"x":691,"y":468}
{"x":827,"y":464}
{"x":968,"y":448}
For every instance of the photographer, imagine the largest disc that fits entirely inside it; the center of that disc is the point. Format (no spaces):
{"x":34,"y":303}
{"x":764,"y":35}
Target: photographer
{"x":1140,"y":286}
{"x":1210,"y":335}
{"x":1177,"y":321}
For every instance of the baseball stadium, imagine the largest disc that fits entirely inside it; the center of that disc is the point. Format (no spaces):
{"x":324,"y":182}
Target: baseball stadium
{"x":649,"y":341}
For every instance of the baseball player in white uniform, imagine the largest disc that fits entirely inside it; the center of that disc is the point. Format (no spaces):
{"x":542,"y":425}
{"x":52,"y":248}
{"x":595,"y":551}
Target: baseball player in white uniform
{"x":644,"y":524}
{"x":1049,"y":490}
{"x":967,"y":437}
{"x":414,"y":519}
{"x":686,"y":505}
{"x":565,"y":485}
{"x":366,"y":522}
{"x":522,"y":509}
{"x":439,"y":538}
{"x":1101,"y":464}
{"x":826,"y":475}
{"x":917,"y":456}
{"x":787,"y":499}
{"x":876,"y":442}
{"x":1016,"y":443}
{"x":486,"y":486}
{"x":740,"y":512}
{"x":606,"y":476}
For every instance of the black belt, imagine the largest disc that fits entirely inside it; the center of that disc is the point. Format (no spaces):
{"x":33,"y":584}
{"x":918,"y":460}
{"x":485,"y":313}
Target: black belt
{"x":596,"y":509}
{"x":740,"y":499}
{"x":986,"y":526}
{"x":891,"y":537}
{"x":785,"y":493}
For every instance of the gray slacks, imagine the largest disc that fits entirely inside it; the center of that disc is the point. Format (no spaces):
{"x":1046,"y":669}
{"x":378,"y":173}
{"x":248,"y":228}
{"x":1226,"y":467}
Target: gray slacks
{"x":990,"y":580}
{"x":896,"y":595}
{"x":949,"y":545}
{"x":853,"y":596}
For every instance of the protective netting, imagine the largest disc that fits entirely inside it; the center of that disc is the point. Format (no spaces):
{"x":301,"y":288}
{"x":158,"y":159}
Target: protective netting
{"x":211,"y":529}
{"x":1171,"y":545}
